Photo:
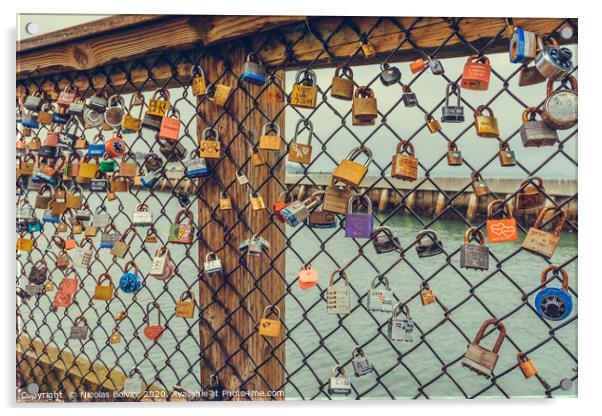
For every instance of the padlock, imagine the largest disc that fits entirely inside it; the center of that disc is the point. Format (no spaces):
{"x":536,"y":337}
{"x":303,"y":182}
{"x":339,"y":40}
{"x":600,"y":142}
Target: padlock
{"x":45,"y":115}
{"x":151,"y":236}
{"x":554,"y":62}
{"x":319,"y":218}
{"x":360,"y":362}
{"x":408,"y":97}
{"x":98,"y":102}
{"x":83,"y":214}
{"x":476,"y":74}
{"x":257,"y":158}
{"x":34,"y":144}
{"x":305,"y":91}
{"x":101,"y":217}
{"x":336,"y":198}
{"x":299,"y":152}
{"x":68,"y":137}
{"x":530,"y":75}
{"x":128,"y":169}
{"x":51,"y":217}
{"x":69,"y":285}
{"x":50,"y":173}
{"x":159,"y":103}
{"x":359,"y":225}
{"x":479,"y":359}
{"x":474,"y":256}
{"x":153,"y":331}
{"x":225,"y":203}
{"x":150,"y":179}
{"x":109,"y":236}
{"x":367,"y":48}
{"x":182,"y":233}
{"x":61,"y":299}
{"x":241,"y":178}
{"x":342,"y":83}
{"x":220,"y":94}
{"x":115,"y":146}
{"x":43,"y":201}
{"x":526,"y":365}
{"x":185,"y":305}
{"x":59,"y":116}
{"x":215,"y":389}
{"x":308,"y":277}
{"x":432,"y":123}
{"x":80,"y":329}
{"x":298,"y":211}
{"x":270,"y":137}
{"x":256,"y":200}
{"x":160,"y":262}
{"x":337,"y":297}
{"x":24,"y":244}
{"x":428,"y":243}
{"x":121,"y":247}
{"x":436,"y":66}
{"x":427,"y":296}
{"x":531,"y":193}
{"x":404,"y":167}
{"x":500,"y":229}
{"x":130,"y":123}
{"x":142,"y":215}
{"x":254,"y":246}
{"x":34,"y":102}
{"x":351,"y":172}
{"x":506,"y":155}
{"x":452,"y":113}
{"x":115,"y":111}
{"x":535,"y":133}
{"x":418,"y":65}
{"x":523,"y":46}
{"x":100,"y":183}
{"x":81,"y":256}
{"x":30,"y":120}
{"x":77,"y":107}
{"x":107,"y":164}
{"x":364,"y":107}
{"x":115,"y":337}
{"x":87,"y":169}
{"x":130,"y":282}
{"x":454,"y":156}
{"x":541,"y":242}
{"x":389,"y":75}
{"x":102,"y":292}
{"x":93,"y":118}
{"x":385,"y":240}
{"x":380,"y":300}
{"x":552,"y":303}
{"x":209,"y":145}
{"x":170,"y":125}
{"x":196,"y":167}
{"x":270,"y":327}
{"x":253,"y":71}
{"x":485,"y":126}
{"x":212,"y":264}
{"x":38,"y":273}
{"x":559,"y":110}
{"x":173,"y":151}
{"x":132,"y":384}
{"x":283,"y":200}
{"x":339,"y":382}
{"x":479,"y":185}
{"x":400,"y":329}
{"x":199,"y":82}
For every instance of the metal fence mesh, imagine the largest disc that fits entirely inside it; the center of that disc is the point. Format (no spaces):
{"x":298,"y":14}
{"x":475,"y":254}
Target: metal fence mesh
{"x":184,"y":349}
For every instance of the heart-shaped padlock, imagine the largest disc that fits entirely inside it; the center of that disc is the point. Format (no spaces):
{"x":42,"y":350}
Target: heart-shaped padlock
{"x":153,"y":331}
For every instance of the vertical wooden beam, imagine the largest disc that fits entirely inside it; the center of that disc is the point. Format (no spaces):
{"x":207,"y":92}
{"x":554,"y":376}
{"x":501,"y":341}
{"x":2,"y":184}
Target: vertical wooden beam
{"x":231,"y":305}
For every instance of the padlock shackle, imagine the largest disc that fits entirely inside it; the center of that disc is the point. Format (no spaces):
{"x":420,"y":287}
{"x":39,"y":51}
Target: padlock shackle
{"x":378,"y":280}
{"x":140,"y":97}
{"x":344,"y":70}
{"x":355,"y":152}
{"x":59,"y":241}
{"x":314,"y":200}
{"x":187,"y":294}
{"x":270,"y":127}
{"x":85,"y":241}
{"x":211,"y":256}
{"x":406,"y":89}
{"x":133,"y":264}
{"x":271,"y":309}
{"x":529,"y":181}
{"x":126,"y":232}
{"x":307,"y":74}
{"x":480,"y":109}
{"x":156,"y":306}
{"x":506,"y":210}
{"x":470,"y":234}
{"x":80,"y":318}
{"x":357,"y":350}
{"x":476,"y":176}
{"x":102,"y":278}
{"x":457,"y":89}
{"x":504,"y":145}
{"x":572,"y":82}
{"x":304,"y":123}
{"x":477,"y":58}
{"x":521,"y":357}
{"x":404,"y":145}
{"x":563,"y":216}
{"x":197,"y":69}
{"x":164,"y":250}
{"x":558,"y":269}
{"x":141,"y":207}
{"x":117,"y":99}
{"x":206,"y":133}
{"x":162,"y":93}
{"x":498,"y":343}
{"x":341,"y":273}
{"x":339,"y":369}
{"x":364,"y":198}
{"x":363,"y":92}
{"x":400,"y":307}
{"x":187,"y":213}
{"x":431,"y":234}
{"x":134,"y":370}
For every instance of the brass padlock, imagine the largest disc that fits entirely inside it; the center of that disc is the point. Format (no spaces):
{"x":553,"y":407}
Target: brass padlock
{"x":506,"y":155}
{"x":404,"y":167}
{"x":432,"y":123}
{"x":299,"y":152}
{"x":185,"y":305}
{"x":474,"y":256}
{"x":486,"y":126}
{"x":336,"y":198}
{"x":256,"y":201}
{"x":367,"y":48}
{"x":541,"y":242}
{"x":270,"y":137}
{"x":351,"y":172}
{"x":199,"y":82}
{"x":305,"y":91}
{"x":364,"y":104}
{"x":479,"y":185}
{"x":426,"y":294}
{"x":257,"y":158}
{"x":479,"y":359}
{"x":270,"y":327}
{"x":159,"y":103}
{"x":531,"y":194}
{"x":225,"y":203}
{"x":221,"y":94}
{"x":342,"y":83}
{"x":454,"y":156}
{"x":130,"y":123}
{"x":209,"y":145}
{"x":526,"y":365}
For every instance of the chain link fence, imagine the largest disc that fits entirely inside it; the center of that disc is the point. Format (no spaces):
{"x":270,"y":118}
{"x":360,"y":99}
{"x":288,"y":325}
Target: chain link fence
{"x":223,"y":346}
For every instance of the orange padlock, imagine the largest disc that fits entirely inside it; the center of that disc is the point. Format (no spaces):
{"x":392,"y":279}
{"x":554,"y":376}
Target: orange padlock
{"x":115,"y":146}
{"x":170,"y":125}
{"x":52,"y":139}
{"x":477,"y":72}
{"x":308,"y":277}
{"x":501,"y":229}
{"x":527,"y":367}
{"x":418,"y":65}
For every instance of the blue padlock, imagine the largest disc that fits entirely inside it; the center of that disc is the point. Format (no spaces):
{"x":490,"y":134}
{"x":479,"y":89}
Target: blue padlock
{"x":150,"y":179}
{"x":130,"y":282}
{"x":96,"y":149}
{"x":523,"y":46}
{"x":552,"y":303}
{"x":50,"y":216}
{"x":196,"y":166}
{"x":33,"y":227}
{"x":30,"y":120}
{"x":253,"y":71}
{"x":60,"y":118}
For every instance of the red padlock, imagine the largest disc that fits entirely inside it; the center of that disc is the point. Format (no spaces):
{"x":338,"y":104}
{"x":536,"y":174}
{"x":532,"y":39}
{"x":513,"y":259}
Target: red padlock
{"x":153,"y":332}
{"x":170,"y":126}
{"x":62,"y":299}
{"x":52,"y":139}
{"x":279,"y":205}
{"x":308,"y":277}
{"x":116,"y":147}
{"x":418,"y":65}
{"x":67,"y":96}
{"x":477,"y":73}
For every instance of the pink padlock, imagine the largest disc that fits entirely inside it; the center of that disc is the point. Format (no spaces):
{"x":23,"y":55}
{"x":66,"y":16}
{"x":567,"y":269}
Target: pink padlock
{"x":52,"y":139}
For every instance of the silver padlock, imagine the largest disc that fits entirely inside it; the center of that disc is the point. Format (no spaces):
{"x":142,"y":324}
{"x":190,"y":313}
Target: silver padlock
{"x":360,"y":362}
{"x":534,"y":133}
{"x":115,"y":111}
{"x":339,"y":382}
{"x":212,"y":264}
{"x":196,"y":166}
{"x":401,"y":329}
{"x":93,"y":118}
{"x":452,"y":113}
{"x":98,"y":103}
{"x":384,"y":240}
{"x":560,"y":109}
{"x":554,"y":62}
{"x":338,"y":298}
{"x":151,"y":178}
{"x":81,"y":257}
{"x":76,"y":108}
{"x":79,"y":330}
{"x":297,"y":211}
{"x":474,"y":256}
{"x":142,"y":216}
{"x":380,"y":300}
{"x":132,"y":384}
{"x":160,"y":262}
{"x":34,"y":102}
{"x":435,"y":66}
{"x":241,"y":178}
{"x":253,"y":70}
{"x":101,"y":217}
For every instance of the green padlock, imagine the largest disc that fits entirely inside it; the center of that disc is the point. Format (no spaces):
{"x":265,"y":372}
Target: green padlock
{"x":108,"y":165}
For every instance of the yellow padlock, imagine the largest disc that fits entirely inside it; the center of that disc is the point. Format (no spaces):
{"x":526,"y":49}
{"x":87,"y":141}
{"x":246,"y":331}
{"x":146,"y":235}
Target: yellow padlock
{"x":104,"y":292}
{"x":351,"y":172}
{"x":305,"y":92}
{"x":270,"y":327}
{"x":185,"y":306}
{"x":24,"y":244}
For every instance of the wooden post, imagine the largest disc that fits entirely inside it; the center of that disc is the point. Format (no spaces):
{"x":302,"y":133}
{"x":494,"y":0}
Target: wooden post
{"x":232,"y":305}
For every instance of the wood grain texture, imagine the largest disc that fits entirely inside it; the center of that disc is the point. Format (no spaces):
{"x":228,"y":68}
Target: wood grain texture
{"x":231,"y":306}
